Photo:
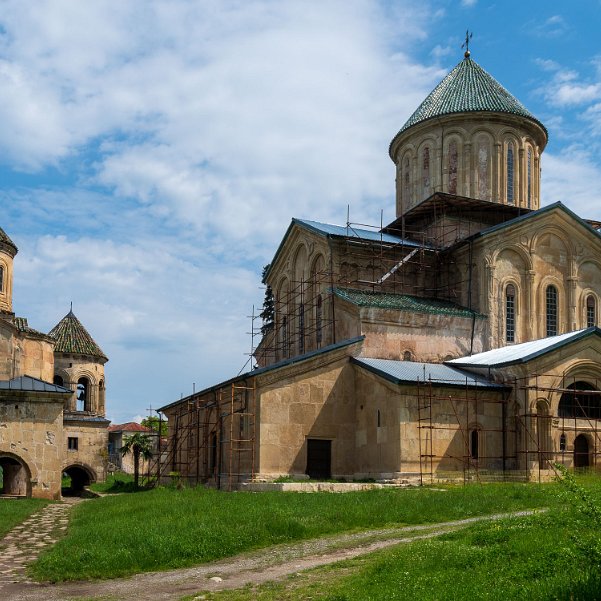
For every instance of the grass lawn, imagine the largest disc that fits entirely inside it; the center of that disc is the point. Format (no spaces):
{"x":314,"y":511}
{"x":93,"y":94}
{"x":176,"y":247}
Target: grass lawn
{"x":164,"y":528}
{"x":13,"y":511}
{"x":115,"y":483}
{"x":533,"y":558}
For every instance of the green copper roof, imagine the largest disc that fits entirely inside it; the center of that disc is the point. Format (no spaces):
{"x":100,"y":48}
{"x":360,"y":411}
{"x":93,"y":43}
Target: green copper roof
{"x":402,"y":302}
{"x":72,"y":337}
{"x":468,"y":88}
{"x":6,"y":240}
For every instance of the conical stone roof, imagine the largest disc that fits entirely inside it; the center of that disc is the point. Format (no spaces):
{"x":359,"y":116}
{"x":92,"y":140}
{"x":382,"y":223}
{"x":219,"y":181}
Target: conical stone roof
{"x":468,"y":88}
{"x":71,"y":337}
{"x":5,"y":240}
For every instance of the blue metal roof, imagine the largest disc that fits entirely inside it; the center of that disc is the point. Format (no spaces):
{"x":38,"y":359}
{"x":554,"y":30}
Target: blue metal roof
{"x":29,"y":384}
{"x":414,"y":372}
{"x":353,"y":232}
{"x":521,"y":353}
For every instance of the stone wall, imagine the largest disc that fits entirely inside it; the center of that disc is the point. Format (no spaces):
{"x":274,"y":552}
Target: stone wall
{"x":92,"y":445}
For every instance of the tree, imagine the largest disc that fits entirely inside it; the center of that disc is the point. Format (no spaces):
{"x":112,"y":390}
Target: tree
{"x":141,"y":446}
{"x":268,"y":313}
{"x":154,"y":423}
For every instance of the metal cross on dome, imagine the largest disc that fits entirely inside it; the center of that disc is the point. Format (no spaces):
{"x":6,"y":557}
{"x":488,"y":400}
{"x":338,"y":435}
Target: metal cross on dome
{"x":466,"y":44}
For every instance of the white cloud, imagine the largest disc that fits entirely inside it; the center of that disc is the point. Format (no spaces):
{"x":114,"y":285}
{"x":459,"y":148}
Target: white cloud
{"x":468,"y":3}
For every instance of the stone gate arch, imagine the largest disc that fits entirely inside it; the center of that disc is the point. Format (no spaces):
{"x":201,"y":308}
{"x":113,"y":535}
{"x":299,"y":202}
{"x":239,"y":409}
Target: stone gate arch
{"x":16,"y":476}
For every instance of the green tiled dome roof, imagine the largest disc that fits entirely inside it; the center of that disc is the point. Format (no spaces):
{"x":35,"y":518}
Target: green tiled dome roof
{"x":468,"y":88}
{"x":71,"y":337}
{"x":4,"y":239}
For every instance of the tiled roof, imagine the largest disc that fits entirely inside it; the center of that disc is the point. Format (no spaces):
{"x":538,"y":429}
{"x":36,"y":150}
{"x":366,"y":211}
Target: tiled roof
{"x":129,"y":427}
{"x":413,"y":372}
{"x":22,"y":325}
{"x":521,"y":353}
{"x":403,"y":302}
{"x":29,"y":384}
{"x":71,"y":337}
{"x":6,"y":240}
{"x":468,"y":88}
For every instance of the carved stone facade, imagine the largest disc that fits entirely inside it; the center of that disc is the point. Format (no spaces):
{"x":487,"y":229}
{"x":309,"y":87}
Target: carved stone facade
{"x":52,"y":400}
{"x":460,"y":339}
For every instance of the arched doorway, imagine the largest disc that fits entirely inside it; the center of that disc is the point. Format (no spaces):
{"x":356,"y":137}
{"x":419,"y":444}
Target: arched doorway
{"x":581,"y":454}
{"x":79,"y":477}
{"x":15,"y":477}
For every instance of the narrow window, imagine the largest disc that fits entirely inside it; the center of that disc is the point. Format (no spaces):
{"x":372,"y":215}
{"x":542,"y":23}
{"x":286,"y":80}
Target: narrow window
{"x":529,"y":175}
{"x":551,"y":314}
{"x":301,"y":328}
{"x":510,"y":313}
{"x":591,"y":311}
{"x":72,"y":443}
{"x":474,"y":443}
{"x":406,"y":183}
{"x":562,"y":442}
{"x":510,"y":196}
{"x":483,"y":187}
{"x":83,"y":394}
{"x":318,"y":314}
{"x":426,"y":172}
{"x":379,"y":419}
{"x":1,"y":278}
{"x":285,"y":336}
{"x":453,"y":168}
{"x":58,"y":381}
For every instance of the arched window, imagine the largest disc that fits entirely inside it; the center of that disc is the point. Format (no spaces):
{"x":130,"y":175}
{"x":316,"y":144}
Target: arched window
{"x":510,"y":170}
{"x":83,"y":394}
{"x":591,"y":311}
{"x":581,"y":400}
{"x":510,"y":313}
{"x":483,"y":160}
{"x":301,"y":328}
{"x":1,"y":278}
{"x":529,"y":178}
{"x":379,"y":419}
{"x":426,"y":172}
{"x":318,"y":318}
{"x":475,"y":444}
{"x":551,"y":311}
{"x":407,"y":356}
{"x":58,"y":381}
{"x":406,"y":182}
{"x":453,"y":159}
{"x":562,"y":442}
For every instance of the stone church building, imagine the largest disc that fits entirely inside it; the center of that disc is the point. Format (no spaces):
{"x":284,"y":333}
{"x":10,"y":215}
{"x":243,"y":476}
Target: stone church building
{"x":459,"y":341}
{"x":52,"y":400}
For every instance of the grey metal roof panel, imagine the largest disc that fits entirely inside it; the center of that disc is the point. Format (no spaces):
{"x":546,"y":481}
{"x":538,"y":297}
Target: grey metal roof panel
{"x":29,"y":384}
{"x":354,"y":232}
{"x":96,"y":419}
{"x":414,"y":372}
{"x":278,"y":365}
{"x":522,"y":353}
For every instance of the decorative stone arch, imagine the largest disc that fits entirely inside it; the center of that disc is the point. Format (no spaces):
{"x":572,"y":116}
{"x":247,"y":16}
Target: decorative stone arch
{"x":81,"y":475}
{"x":540,"y":307}
{"x":558,"y":233}
{"x":427,"y":167}
{"x":407,"y":176}
{"x":282,"y":316}
{"x":586,"y":296}
{"x":79,"y":377}
{"x":517,"y":248}
{"x":505,"y":317}
{"x":18,"y":474}
{"x":482,"y":141}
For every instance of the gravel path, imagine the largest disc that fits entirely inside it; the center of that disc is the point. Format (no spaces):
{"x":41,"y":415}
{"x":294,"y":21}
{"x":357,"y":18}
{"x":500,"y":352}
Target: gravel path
{"x":253,"y":568}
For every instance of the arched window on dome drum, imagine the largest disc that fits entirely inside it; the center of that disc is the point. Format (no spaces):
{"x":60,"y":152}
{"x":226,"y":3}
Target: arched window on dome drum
{"x":483,"y":183}
{"x":510,"y":313}
{"x":581,"y":401}
{"x":453,"y":168}
{"x":529,"y":176}
{"x":510,"y":170}
{"x":1,"y":279}
{"x":551,"y":311}
{"x":406,"y":182}
{"x":426,"y":172}
{"x":591,"y":311}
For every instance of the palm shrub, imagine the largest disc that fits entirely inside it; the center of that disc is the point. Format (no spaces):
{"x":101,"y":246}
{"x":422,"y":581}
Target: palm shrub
{"x":140,"y":445}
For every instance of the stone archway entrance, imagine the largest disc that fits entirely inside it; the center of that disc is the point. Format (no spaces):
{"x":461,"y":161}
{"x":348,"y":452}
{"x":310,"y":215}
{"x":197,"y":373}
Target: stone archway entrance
{"x":80,"y":477}
{"x":15,"y":477}
{"x":581,"y":451}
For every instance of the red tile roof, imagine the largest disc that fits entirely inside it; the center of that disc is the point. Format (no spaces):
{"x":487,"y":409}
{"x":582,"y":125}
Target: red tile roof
{"x":129,"y":427}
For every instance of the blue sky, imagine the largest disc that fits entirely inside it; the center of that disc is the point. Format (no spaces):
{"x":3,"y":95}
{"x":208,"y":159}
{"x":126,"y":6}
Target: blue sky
{"x":152,"y":153}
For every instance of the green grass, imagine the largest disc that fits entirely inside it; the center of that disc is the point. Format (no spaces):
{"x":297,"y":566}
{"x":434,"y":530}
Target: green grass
{"x":534,"y":559}
{"x":14,"y":511}
{"x":164,"y":528}
{"x":115,"y":483}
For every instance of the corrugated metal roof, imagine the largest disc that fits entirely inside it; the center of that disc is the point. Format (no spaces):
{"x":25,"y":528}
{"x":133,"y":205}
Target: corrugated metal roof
{"x":29,"y":384}
{"x":353,"y":232}
{"x":403,"y":302}
{"x":75,"y":417}
{"x":521,"y":353}
{"x":468,"y":88}
{"x":71,"y":337}
{"x":412,"y":372}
